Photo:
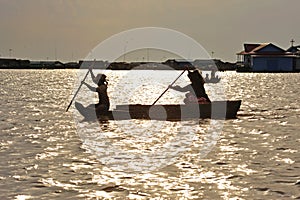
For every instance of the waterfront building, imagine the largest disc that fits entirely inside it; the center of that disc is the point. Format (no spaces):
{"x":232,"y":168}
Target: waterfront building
{"x":268,"y":57}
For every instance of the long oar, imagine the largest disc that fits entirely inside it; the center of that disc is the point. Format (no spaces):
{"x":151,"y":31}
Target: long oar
{"x":77,"y":90}
{"x":168,"y":87}
{"x":80,"y":85}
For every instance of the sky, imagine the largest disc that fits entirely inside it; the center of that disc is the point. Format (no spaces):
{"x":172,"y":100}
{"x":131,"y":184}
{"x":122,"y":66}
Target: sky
{"x":68,"y":30}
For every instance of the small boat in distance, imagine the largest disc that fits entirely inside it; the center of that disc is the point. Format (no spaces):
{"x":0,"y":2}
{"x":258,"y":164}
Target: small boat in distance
{"x":213,"y":80}
{"x":168,"y":112}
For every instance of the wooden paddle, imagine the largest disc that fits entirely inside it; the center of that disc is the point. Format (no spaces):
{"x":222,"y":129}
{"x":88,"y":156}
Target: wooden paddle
{"x":168,"y":87}
{"x":79,"y":87}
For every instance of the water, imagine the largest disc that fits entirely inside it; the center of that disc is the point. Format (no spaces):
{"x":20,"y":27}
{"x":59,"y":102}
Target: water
{"x":43,"y":155}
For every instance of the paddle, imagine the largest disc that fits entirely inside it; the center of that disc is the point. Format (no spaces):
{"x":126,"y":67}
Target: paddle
{"x":78,"y":89}
{"x":168,"y":87}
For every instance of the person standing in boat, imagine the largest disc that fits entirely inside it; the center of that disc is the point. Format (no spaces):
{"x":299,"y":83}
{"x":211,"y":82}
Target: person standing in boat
{"x":102,"y":106}
{"x":196,"y":91}
{"x":213,"y":74}
{"x":206,"y":78}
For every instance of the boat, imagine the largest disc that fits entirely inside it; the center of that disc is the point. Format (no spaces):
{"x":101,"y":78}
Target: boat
{"x":212,"y":80}
{"x":167,"y":112}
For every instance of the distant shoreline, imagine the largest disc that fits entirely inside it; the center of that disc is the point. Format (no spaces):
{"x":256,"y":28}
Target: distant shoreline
{"x":171,"y":64}
{"x":208,"y":65}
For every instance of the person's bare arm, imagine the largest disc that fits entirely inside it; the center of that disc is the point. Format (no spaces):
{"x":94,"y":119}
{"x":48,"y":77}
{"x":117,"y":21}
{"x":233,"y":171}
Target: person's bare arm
{"x":90,"y":87}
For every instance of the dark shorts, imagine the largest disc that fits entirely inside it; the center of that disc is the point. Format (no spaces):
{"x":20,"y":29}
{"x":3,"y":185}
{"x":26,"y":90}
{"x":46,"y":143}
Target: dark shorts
{"x":100,"y":109}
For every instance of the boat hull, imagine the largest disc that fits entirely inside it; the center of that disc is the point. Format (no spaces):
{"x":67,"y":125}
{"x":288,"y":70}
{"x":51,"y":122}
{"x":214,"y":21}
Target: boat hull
{"x":178,"y":112}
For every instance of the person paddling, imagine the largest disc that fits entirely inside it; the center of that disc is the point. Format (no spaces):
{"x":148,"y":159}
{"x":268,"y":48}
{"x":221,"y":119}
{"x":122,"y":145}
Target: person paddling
{"x":196,"y":91}
{"x":102,"y":106}
{"x":207,"y":78}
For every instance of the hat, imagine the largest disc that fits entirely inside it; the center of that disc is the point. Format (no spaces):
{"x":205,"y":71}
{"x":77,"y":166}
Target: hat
{"x":195,"y":76}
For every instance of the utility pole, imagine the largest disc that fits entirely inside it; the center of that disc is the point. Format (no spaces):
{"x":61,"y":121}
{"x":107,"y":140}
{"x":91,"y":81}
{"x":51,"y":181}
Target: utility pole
{"x":55,"y":53}
{"x":125,"y":47}
{"x":147,"y":54}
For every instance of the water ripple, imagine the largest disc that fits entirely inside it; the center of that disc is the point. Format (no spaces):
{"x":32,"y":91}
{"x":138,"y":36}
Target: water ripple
{"x":42,"y":156}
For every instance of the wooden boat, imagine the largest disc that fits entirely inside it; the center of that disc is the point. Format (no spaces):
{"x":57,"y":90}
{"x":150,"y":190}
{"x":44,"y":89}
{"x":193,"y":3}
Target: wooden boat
{"x":169,"y":112}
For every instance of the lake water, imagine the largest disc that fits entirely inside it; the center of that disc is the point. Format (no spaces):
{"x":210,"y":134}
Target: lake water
{"x":47,"y":153}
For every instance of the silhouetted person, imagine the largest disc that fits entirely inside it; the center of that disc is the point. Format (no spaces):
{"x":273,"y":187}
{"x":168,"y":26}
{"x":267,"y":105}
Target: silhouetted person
{"x":102,"y":106}
{"x":213,"y":74}
{"x":206,"y":78}
{"x":196,"y":91}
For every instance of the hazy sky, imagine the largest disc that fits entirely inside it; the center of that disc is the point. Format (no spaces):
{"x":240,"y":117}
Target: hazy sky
{"x":69,"y":30}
